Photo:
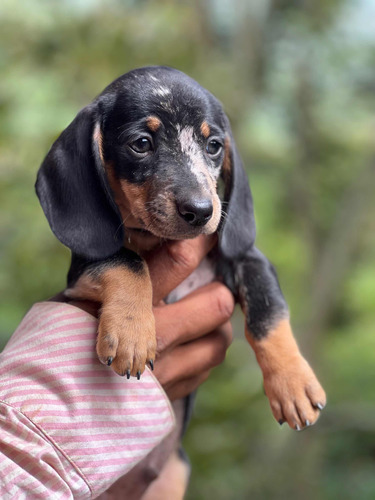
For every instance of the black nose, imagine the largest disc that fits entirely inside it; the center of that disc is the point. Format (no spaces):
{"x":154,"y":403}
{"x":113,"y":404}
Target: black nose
{"x":197,"y":212}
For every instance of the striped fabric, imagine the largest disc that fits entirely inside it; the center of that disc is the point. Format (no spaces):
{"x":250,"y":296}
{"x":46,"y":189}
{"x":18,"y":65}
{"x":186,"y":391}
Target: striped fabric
{"x":69,"y":426}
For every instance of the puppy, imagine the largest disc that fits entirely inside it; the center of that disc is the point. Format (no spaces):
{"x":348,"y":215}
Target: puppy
{"x":142,"y":164}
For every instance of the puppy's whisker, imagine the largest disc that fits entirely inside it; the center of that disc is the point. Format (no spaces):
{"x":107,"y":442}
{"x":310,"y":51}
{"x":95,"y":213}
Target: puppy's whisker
{"x":224,"y":215}
{"x":118,"y":229}
{"x":122,"y":224}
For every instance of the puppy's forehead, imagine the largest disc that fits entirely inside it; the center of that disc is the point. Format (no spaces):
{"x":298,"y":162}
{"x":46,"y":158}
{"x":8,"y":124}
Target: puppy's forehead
{"x":169,"y":94}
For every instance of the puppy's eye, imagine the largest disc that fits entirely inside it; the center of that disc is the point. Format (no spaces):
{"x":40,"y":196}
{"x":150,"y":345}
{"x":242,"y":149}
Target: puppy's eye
{"x":142,"y":145}
{"x":213,"y":148}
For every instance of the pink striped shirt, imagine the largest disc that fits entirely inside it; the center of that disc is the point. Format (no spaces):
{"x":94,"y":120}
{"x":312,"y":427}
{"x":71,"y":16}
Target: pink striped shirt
{"x":69,"y":426}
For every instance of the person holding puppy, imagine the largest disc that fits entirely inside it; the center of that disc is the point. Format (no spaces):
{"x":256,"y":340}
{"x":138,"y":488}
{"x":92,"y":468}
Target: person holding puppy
{"x":71,"y":428}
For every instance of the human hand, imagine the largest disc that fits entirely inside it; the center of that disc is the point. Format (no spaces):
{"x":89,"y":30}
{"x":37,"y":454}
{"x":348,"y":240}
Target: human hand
{"x":194,"y":333}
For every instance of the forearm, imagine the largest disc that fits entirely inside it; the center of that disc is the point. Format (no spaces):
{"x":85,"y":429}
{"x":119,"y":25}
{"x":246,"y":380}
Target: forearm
{"x":69,"y":424}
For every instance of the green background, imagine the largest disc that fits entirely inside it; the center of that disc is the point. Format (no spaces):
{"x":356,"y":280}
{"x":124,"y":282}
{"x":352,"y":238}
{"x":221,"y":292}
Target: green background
{"x":297,"y":79}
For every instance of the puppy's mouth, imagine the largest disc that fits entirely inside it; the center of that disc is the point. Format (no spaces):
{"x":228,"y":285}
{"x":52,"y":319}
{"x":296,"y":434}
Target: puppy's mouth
{"x":164,"y":231}
{"x":174,"y":219}
{"x":168,"y":229}
{"x":140,"y":230}
{"x":178,"y":228}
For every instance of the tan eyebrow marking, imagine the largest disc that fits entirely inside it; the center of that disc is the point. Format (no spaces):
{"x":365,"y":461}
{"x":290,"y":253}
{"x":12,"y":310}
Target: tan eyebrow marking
{"x":153,"y":123}
{"x":205,"y":129}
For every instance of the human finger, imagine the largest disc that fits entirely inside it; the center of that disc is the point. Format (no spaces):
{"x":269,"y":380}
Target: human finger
{"x":193,"y":316}
{"x":182,"y":388}
{"x":194,"y":358}
{"x":171,"y":263}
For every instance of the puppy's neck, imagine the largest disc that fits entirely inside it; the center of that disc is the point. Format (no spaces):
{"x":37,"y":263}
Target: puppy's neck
{"x":140,"y":241}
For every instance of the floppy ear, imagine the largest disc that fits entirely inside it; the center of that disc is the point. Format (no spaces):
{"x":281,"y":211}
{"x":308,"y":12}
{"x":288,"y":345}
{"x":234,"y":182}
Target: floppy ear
{"x":237,"y":231}
{"x":74,"y":193}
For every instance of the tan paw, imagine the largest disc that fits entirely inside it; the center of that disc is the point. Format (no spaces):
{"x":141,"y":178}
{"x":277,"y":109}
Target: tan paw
{"x":294,"y":393}
{"x":126,"y":340}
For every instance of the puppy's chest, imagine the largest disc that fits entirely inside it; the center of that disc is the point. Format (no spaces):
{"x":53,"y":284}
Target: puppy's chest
{"x":203,"y":275}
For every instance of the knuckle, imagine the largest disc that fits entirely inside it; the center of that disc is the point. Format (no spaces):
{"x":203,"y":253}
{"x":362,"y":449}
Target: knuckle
{"x":161,"y":345}
{"x":183,"y":257}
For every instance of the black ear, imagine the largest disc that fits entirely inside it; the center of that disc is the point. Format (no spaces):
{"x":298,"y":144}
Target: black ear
{"x":237,"y":231}
{"x":74,"y":193}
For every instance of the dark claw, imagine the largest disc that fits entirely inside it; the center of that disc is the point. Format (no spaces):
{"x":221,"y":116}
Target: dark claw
{"x":128,"y":374}
{"x":151,"y":363}
{"x":281,"y":421}
{"x":297,"y":427}
{"x":138,"y":375}
{"x":109,"y":360}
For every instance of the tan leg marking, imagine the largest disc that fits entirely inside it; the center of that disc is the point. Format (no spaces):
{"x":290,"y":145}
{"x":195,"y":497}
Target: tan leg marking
{"x":291,"y":386}
{"x":126,"y":331}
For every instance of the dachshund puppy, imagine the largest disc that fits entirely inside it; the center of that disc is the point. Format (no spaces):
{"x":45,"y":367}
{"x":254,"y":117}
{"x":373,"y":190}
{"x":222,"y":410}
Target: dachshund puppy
{"x":140,"y":165}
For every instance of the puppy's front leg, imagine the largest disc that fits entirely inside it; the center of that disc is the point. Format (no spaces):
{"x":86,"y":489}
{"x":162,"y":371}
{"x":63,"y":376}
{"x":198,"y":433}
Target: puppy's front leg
{"x":126,"y":334}
{"x":293,"y":390}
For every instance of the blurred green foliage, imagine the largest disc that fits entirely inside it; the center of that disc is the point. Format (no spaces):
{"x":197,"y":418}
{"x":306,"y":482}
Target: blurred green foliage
{"x":297,"y":79}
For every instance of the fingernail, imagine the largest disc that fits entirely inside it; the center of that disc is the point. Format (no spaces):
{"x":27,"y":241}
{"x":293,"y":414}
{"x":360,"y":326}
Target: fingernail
{"x":297,"y":427}
{"x":109,"y":361}
{"x":128,"y":374}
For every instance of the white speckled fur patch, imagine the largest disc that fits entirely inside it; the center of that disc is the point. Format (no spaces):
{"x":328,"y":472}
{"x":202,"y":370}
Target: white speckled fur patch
{"x":161,"y":91}
{"x":191,"y":148}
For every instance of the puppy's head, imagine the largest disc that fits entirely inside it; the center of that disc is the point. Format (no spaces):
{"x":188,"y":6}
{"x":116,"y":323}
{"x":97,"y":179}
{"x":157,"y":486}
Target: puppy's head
{"x":145,"y":157}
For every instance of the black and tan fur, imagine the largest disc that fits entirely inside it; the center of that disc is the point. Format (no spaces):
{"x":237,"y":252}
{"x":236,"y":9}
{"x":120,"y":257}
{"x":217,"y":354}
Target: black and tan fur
{"x":140,"y":165}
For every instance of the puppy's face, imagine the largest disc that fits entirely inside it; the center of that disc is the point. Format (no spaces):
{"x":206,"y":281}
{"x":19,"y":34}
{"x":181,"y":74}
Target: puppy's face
{"x":144,"y":159}
{"x":162,"y":138}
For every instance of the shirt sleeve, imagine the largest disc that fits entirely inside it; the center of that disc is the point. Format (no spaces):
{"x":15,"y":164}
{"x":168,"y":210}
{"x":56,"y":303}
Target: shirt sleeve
{"x":69,"y":426}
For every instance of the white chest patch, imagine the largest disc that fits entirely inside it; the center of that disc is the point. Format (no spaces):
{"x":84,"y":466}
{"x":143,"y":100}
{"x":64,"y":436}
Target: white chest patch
{"x":203,"y":275}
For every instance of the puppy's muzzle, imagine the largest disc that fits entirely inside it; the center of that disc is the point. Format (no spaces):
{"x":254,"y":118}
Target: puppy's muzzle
{"x":196,"y":211}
